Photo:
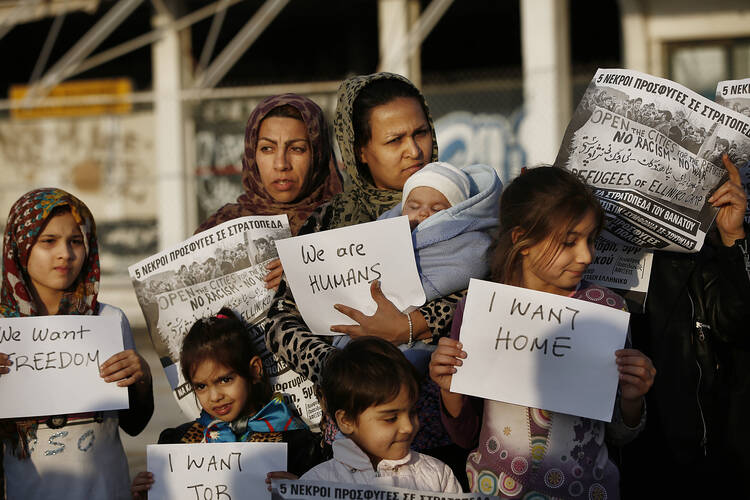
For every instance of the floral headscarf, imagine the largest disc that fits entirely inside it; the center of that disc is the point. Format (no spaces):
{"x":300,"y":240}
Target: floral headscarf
{"x":325,"y":181}
{"x":363,"y":202}
{"x":26,"y":220}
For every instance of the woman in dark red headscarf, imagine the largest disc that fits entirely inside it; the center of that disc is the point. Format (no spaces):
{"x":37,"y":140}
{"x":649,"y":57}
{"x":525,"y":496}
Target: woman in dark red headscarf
{"x":288,"y":165}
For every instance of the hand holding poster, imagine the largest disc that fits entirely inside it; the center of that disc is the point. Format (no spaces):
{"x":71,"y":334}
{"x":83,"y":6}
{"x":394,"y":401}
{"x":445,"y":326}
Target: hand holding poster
{"x":540,"y":350}
{"x":224,"y":266}
{"x":651,"y":149}
{"x":214,"y":470}
{"x":735,"y":94}
{"x":56,"y":359}
{"x":337,"y":267}
{"x":285,"y":489}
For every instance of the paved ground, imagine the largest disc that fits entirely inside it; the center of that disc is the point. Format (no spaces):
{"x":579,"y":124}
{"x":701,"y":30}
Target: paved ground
{"x":166,"y":412}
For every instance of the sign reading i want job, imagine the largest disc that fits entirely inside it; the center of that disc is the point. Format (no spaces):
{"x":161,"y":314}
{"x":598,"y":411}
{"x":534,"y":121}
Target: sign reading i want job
{"x":337,"y":267}
{"x":56,"y":359}
{"x":540,"y":350}
{"x":213,"y":470}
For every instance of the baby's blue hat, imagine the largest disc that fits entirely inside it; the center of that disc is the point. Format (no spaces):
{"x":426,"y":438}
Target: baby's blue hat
{"x":444,"y":177}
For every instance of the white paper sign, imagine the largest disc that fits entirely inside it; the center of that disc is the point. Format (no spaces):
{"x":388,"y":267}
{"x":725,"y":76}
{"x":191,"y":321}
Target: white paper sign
{"x":540,"y":350}
{"x":218,"y":471}
{"x":337,"y":267}
{"x":285,"y":489}
{"x":55,"y":365}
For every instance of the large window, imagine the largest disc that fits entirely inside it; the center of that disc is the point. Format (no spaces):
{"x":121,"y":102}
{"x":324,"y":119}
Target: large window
{"x":701,"y":65}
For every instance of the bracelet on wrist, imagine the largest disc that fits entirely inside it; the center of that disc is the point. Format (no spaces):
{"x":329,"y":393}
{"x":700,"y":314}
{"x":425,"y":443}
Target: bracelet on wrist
{"x":410,"y":344}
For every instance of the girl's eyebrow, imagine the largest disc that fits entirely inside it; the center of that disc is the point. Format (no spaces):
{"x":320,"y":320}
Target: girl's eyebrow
{"x":224,"y":375}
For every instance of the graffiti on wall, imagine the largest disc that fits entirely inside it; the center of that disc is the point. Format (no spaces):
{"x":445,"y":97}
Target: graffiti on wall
{"x":493,"y":139}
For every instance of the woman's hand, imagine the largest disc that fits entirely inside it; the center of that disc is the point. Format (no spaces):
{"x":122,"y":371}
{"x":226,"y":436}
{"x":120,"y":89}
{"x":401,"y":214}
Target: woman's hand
{"x":637,"y":374}
{"x":126,"y":368}
{"x":4,"y":363}
{"x":279,"y":474}
{"x":388,"y":323}
{"x":142,"y":482}
{"x":732,"y":203}
{"x":273,"y":278}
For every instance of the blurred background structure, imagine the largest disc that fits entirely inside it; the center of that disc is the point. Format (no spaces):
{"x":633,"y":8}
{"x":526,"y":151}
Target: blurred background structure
{"x":139,"y":106}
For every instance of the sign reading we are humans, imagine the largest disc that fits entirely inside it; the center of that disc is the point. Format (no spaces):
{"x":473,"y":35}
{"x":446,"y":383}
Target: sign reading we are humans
{"x":217,"y":471}
{"x":540,"y":350}
{"x":337,"y":267}
{"x":56,"y":359}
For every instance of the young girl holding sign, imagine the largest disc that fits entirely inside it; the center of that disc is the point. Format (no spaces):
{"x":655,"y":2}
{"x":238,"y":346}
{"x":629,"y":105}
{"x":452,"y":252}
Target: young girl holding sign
{"x":222,"y":365}
{"x":51,"y":266}
{"x":548,"y":222}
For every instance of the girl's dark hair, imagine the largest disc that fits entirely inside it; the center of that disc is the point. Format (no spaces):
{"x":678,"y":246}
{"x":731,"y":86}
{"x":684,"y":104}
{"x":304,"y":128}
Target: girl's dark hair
{"x":224,"y":339}
{"x":376,"y":94}
{"x":368,"y":371}
{"x":285,"y":111}
{"x":540,"y":202}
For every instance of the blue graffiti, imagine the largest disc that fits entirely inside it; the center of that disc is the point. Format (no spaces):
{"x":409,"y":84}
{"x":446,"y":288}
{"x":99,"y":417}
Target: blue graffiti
{"x":466,"y":138}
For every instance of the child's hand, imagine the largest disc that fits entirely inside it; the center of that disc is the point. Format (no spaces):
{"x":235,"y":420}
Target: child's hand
{"x":142,"y":482}
{"x":279,"y":474}
{"x":637,"y":374}
{"x":4,"y":363}
{"x":444,"y":360}
{"x":273,"y":278}
{"x":126,"y":368}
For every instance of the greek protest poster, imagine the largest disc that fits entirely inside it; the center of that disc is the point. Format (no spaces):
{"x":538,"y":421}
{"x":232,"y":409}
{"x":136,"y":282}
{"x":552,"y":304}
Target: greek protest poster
{"x":57,"y":359}
{"x":651,"y":149}
{"x":221,"y":267}
{"x":615,"y":265}
{"x":213,"y":470}
{"x":286,"y":489}
{"x":735,"y":94}
{"x":337,"y":267}
{"x":540,"y":350}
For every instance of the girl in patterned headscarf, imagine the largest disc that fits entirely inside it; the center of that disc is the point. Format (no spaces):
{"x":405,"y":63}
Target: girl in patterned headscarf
{"x":51,"y":266}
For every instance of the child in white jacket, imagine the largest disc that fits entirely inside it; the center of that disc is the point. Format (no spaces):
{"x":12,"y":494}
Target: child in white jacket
{"x":370,"y":389}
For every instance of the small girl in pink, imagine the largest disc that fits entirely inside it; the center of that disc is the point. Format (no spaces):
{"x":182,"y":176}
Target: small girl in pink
{"x":548,"y":223}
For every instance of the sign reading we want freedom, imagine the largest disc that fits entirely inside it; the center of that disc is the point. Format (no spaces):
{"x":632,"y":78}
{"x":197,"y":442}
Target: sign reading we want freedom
{"x":540,"y":350}
{"x":337,"y":267}
{"x":56,"y":359}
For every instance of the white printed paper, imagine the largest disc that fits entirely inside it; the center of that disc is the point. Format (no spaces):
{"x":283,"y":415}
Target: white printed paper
{"x":223,"y":266}
{"x":337,"y":267}
{"x":54,"y":365}
{"x":540,"y":350}
{"x":615,"y":265}
{"x":651,"y":149}
{"x":284,"y":489}
{"x":735,"y":95}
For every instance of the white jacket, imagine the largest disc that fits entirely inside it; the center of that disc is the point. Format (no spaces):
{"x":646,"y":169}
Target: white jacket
{"x":415,"y":471}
